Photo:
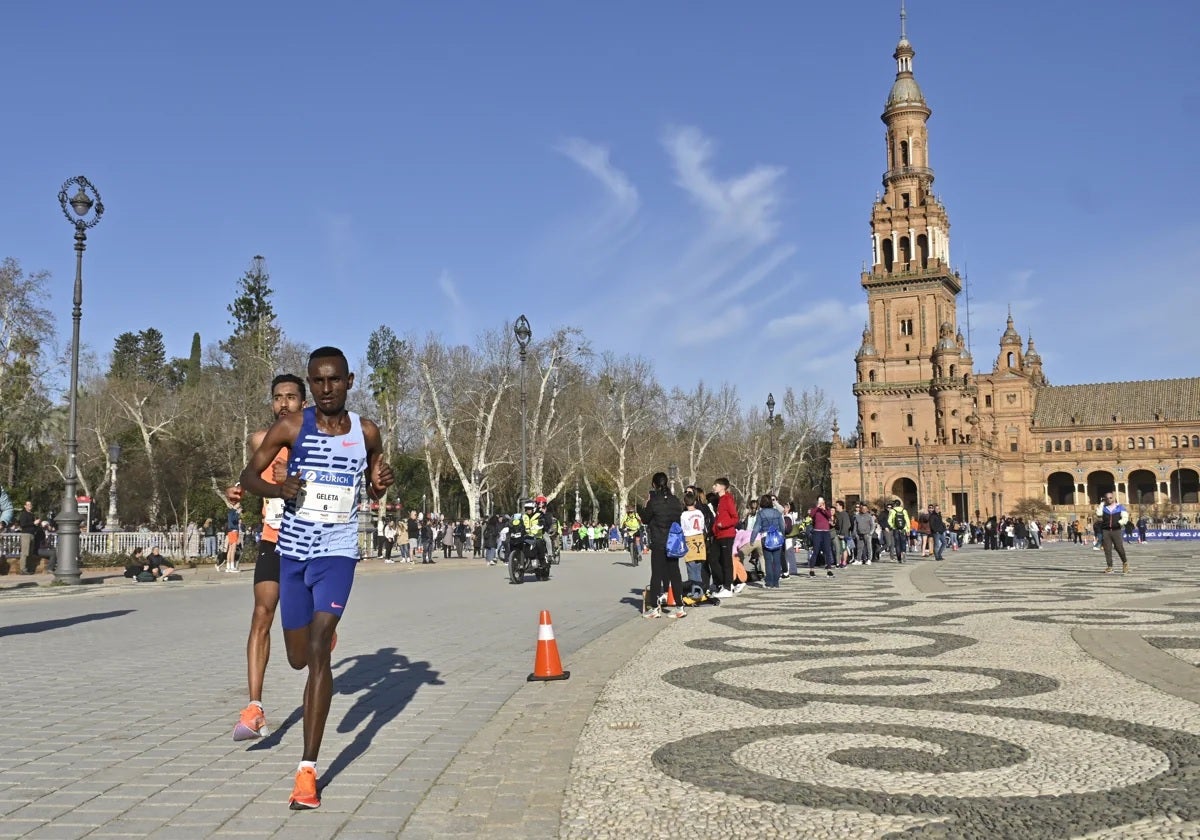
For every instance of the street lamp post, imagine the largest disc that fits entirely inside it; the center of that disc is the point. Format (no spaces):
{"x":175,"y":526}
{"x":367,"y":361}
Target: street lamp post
{"x":114,"y":455}
{"x":862,"y":478}
{"x":80,"y":204}
{"x":771,"y":440}
{"x":1178,"y":489}
{"x":672,"y":472}
{"x":523,"y":334}
{"x":918,"y":446}
{"x":962,"y":484}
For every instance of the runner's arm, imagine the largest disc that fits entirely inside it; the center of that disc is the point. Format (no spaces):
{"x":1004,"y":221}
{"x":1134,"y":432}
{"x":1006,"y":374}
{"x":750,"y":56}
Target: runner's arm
{"x":282,"y":432}
{"x":379,"y":472}
{"x":236,"y":493}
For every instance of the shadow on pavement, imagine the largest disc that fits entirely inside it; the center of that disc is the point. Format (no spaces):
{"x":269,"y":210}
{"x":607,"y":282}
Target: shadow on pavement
{"x":634,"y":599}
{"x":388,"y":681}
{"x":56,"y":623}
{"x":276,"y":735}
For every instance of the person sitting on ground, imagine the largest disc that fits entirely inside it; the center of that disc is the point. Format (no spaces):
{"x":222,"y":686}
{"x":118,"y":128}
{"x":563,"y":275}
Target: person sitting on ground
{"x":143,"y":568}
{"x":160,"y":566}
{"x":136,"y":564}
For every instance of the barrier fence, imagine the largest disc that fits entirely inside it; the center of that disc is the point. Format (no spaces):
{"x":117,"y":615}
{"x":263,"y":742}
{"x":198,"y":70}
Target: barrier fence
{"x":169,"y":543}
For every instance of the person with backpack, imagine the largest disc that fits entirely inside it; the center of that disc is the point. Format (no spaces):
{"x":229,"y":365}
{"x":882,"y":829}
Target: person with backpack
{"x":663,"y":510}
{"x":768,"y":525}
{"x":693,"y":523}
{"x":898,"y":522}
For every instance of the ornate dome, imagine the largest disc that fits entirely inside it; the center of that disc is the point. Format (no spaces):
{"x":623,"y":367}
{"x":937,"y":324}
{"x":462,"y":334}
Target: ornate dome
{"x":1032,"y":356}
{"x":868,"y":346}
{"x":946,"y":337}
{"x":1010,"y":335}
{"x":905,"y":91}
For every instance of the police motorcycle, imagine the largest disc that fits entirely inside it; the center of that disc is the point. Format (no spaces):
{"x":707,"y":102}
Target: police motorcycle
{"x":526,"y":551}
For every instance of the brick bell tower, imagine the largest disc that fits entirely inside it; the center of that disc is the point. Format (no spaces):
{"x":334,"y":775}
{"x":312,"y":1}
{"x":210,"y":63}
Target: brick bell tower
{"x":913,"y":378}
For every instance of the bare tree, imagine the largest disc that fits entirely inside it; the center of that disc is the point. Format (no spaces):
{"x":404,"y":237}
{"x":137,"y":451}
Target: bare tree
{"x":556,"y":362}
{"x":700,"y":417}
{"x":806,"y":422}
{"x":626,"y":413}
{"x":151,"y":411}
{"x":463,"y":391}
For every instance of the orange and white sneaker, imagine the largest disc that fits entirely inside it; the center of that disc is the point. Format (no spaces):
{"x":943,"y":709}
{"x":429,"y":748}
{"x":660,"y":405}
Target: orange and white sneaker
{"x":304,"y":792}
{"x":251,"y":724}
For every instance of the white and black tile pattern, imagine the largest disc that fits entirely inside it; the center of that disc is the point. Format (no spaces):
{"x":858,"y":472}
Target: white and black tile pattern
{"x":834,"y":708}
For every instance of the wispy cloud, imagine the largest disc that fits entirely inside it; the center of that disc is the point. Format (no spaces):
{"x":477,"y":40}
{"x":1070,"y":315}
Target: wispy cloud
{"x":459,"y":316}
{"x":716,"y":282}
{"x":742,"y":206}
{"x":596,"y":160}
{"x":446,"y":283}
{"x":341,"y":245}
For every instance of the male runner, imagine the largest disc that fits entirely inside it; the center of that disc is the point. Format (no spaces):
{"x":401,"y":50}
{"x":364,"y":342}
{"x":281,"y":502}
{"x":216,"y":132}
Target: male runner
{"x":332,"y":451}
{"x":287,"y":397}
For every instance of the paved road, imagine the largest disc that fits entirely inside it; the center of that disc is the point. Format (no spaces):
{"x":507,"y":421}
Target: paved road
{"x":120,"y":700}
{"x":1000,"y":694}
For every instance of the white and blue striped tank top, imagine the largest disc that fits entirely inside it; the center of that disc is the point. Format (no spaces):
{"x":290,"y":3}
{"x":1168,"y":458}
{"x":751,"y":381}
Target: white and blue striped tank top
{"x":322,"y":521}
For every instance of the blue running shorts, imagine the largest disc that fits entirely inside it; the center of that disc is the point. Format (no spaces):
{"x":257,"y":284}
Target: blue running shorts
{"x":307,"y":587}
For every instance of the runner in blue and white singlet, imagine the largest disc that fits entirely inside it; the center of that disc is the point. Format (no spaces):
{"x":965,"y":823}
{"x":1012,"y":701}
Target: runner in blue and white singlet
{"x":322,"y":521}
{"x":333,"y":455}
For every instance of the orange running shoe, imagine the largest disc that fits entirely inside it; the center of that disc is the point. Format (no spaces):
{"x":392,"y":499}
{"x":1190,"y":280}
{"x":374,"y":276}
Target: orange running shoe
{"x":251,"y":724}
{"x":304,"y":793}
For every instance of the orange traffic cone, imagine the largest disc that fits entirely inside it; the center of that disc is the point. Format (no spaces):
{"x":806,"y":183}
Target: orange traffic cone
{"x":546,"y":664}
{"x":671,"y":597}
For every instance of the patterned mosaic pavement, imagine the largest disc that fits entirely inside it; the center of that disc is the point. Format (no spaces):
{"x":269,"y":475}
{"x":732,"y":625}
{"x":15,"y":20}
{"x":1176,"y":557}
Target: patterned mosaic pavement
{"x":1012,"y":694}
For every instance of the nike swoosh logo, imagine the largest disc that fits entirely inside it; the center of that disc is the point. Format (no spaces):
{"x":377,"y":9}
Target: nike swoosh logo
{"x":335,"y":606}
{"x":349,"y":443}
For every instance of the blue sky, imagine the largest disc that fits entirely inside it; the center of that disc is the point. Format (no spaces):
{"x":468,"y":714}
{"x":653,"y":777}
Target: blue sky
{"x":687,"y":180}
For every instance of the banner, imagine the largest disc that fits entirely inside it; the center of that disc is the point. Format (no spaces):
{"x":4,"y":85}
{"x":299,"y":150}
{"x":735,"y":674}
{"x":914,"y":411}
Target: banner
{"x":1173,"y":534}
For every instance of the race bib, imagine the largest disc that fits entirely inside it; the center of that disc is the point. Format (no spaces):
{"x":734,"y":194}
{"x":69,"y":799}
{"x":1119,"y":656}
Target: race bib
{"x":273,"y":512}
{"x":327,"y":496}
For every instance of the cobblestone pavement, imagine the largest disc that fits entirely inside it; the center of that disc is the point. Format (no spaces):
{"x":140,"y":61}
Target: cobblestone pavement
{"x":1018,"y":694}
{"x":120,"y":701}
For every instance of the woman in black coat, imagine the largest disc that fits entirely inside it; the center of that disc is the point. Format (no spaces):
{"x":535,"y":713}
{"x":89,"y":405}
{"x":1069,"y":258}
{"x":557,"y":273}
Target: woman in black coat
{"x":662,"y":509}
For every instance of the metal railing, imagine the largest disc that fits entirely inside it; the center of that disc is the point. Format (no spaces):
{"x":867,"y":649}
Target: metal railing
{"x":169,"y":543}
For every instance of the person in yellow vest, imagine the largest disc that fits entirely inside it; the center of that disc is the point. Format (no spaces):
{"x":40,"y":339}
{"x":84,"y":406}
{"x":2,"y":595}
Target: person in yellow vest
{"x":532,"y":524}
{"x":631,"y":527}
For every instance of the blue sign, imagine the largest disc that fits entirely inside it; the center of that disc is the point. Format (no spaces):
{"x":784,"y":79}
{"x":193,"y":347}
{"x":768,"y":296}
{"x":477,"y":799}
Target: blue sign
{"x":336,"y":478}
{"x":1173,"y":534}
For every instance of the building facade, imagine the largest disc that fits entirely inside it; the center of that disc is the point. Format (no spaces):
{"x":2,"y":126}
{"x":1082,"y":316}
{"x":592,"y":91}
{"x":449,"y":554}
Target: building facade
{"x":931,"y":429}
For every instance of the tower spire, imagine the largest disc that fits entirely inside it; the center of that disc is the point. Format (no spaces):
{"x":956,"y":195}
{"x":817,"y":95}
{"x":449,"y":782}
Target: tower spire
{"x":903,"y":22}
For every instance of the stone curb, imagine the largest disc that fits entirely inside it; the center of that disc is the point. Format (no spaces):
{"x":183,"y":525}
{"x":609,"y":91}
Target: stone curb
{"x":511,"y":777}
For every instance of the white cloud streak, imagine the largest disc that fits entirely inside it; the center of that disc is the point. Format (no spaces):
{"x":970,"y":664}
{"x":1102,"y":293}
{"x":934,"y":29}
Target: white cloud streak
{"x":596,"y":160}
{"x":446,"y":283}
{"x":739,"y":207}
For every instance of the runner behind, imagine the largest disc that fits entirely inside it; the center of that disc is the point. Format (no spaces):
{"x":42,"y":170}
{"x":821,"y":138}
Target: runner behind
{"x":287,"y":397}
